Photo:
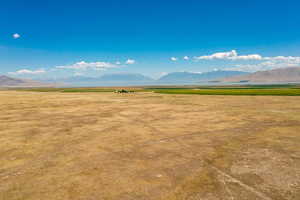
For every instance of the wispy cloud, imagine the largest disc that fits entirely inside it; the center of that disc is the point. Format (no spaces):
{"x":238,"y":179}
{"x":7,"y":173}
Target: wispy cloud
{"x":284,"y":58}
{"x":130,"y":61}
{"x":82,"y":65}
{"x":27,"y":71}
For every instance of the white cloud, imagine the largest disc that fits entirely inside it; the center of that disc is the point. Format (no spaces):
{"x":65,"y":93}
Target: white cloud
{"x":230,"y":55}
{"x":118,"y":63}
{"x":290,"y":59}
{"x":82,"y":65}
{"x":267,"y":65}
{"x":247,"y":57}
{"x":174,"y":58}
{"x":220,"y":55}
{"x":130,"y":62}
{"x":27,"y":71}
{"x":262,"y":63}
{"x":16,"y":35}
{"x":233,"y":55}
{"x":186,"y":58}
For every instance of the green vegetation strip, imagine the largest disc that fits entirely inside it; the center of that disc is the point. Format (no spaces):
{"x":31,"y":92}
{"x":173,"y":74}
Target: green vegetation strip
{"x":274,"y":90}
{"x":219,"y":91}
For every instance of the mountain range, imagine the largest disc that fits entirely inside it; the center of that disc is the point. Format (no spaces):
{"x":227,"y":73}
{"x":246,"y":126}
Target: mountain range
{"x":121,"y":77}
{"x":284,"y":75}
{"x":174,"y":77}
{"x":6,"y":81}
{"x":198,"y":77}
{"x":117,"y":79}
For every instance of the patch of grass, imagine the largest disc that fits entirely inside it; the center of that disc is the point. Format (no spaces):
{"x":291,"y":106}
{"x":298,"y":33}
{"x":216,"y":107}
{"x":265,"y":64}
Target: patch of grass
{"x":195,"y":186}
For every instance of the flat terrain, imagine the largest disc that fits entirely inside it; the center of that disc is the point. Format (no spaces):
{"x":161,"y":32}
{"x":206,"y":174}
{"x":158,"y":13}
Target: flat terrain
{"x":148,"y":146}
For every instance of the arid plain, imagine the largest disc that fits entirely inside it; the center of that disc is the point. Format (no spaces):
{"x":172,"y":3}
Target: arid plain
{"x":140,"y":146}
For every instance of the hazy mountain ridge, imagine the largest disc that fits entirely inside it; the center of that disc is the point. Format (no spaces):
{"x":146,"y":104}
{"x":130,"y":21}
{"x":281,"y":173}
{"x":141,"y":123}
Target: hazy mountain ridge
{"x":110,"y":78}
{"x":196,"y":77}
{"x":290,"y":74}
{"x":124,"y":77}
{"x":6,"y":81}
{"x":174,"y":77}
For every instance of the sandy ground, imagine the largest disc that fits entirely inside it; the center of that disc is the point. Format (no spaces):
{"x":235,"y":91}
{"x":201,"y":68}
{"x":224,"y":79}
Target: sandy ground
{"x":94,"y":146}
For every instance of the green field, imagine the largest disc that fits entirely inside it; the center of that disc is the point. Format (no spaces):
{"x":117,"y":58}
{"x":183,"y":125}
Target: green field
{"x":273,"y":90}
{"x":234,"y":91}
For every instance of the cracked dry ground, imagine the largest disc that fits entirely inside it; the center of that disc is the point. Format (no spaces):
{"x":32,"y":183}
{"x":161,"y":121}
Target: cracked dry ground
{"x":94,"y":146}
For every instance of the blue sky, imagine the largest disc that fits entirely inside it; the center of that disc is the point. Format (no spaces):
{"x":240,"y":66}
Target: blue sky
{"x":43,"y":39}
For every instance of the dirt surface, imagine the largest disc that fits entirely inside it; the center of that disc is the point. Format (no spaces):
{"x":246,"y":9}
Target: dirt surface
{"x":94,"y":146}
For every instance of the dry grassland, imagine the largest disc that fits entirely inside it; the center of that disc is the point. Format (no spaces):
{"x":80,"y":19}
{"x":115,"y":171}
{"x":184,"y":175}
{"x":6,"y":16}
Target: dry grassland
{"x":148,"y":146}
